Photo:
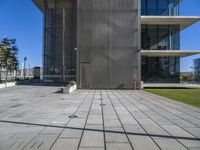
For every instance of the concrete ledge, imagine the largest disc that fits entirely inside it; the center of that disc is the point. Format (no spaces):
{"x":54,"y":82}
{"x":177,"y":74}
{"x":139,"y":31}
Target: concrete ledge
{"x":9,"y":84}
{"x":169,"y":53}
{"x":183,"y":21}
{"x":170,"y":85}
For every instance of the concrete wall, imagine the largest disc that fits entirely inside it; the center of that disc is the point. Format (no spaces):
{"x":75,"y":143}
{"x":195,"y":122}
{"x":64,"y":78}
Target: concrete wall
{"x":108,"y":43}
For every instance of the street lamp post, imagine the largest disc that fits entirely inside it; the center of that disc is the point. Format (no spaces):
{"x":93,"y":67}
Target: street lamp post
{"x":25,"y":59}
{"x":63,"y":45}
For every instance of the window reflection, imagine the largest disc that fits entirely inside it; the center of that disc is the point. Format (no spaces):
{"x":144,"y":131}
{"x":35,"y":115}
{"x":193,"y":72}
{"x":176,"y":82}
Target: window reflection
{"x":160,"y":37}
{"x":160,"y":7}
{"x":160,"y":69}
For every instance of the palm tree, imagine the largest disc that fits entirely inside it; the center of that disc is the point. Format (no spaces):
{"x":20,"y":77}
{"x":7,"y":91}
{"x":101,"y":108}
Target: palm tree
{"x":8,"y":55}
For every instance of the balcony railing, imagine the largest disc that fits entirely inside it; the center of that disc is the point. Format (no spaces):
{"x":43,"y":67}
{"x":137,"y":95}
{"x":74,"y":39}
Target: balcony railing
{"x":160,"y":12}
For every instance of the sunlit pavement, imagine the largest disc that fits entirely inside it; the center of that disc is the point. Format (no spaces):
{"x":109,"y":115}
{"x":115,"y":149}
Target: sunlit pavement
{"x":37,"y":117}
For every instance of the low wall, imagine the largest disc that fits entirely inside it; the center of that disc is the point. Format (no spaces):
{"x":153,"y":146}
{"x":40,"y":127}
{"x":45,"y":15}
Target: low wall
{"x":9,"y":84}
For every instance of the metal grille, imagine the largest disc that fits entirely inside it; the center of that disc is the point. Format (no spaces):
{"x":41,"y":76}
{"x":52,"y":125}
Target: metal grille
{"x":60,"y":40}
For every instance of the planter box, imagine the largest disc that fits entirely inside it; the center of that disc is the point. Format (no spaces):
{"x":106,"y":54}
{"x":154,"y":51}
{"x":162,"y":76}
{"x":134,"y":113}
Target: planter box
{"x":68,"y":90}
{"x":9,"y":84}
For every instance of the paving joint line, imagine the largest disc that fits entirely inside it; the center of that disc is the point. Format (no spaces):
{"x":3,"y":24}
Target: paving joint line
{"x":138,"y":122}
{"x":102,"y":111}
{"x":155,"y":121}
{"x":159,"y":101}
{"x":120,"y":121}
{"x":167,"y":118}
{"x":84,"y":99}
{"x":86,"y":120}
{"x":184,"y":105}
{"x":34,"y":138}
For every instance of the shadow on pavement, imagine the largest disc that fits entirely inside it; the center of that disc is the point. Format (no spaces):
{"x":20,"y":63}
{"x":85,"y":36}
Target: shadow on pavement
{"x":108,"y":131}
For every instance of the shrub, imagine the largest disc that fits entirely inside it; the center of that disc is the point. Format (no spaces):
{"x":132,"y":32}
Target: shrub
{"x":72,"y":82}
{"x":186,"y":77}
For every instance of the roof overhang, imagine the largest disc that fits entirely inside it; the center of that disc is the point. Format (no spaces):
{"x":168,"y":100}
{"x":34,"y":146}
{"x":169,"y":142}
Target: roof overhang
{"x":169,"y":53}
{"x":39,"y":4}
{"x":183,"y":21}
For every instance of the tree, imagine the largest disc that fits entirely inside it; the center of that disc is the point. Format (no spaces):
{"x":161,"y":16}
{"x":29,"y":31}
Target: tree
{"x":8,"y":55}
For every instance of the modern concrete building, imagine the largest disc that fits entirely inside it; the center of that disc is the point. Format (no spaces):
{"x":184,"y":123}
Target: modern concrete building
{"x":113,"y":43}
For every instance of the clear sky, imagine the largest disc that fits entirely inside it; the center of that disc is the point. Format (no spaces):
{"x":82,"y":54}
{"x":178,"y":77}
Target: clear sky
{"x":20,"y":19}
{"x":190,"y":37}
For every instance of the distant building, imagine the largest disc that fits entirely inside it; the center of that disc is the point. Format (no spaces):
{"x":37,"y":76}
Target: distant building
{"x":29,"y":73}
{"x":197,"y":70}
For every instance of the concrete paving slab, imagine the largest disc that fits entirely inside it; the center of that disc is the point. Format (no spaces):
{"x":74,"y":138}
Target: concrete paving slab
{"x":143,"y":142}
{"x":71,"y":133}
{"x":167,"y":144}
{"x":195,"y":131}
{"x":36,"y":117}
{"x":92,"y":139}
{"x":66,"y":144}
{"x":118,"y":146}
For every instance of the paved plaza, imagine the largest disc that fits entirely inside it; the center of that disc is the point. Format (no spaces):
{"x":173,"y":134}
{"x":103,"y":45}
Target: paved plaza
{"x":39,"y":117}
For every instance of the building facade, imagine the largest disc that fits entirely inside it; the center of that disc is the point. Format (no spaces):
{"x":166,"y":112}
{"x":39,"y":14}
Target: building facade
{"x":160,"y":37}
{"x":113,"y":43}
{"x":197,"y":70}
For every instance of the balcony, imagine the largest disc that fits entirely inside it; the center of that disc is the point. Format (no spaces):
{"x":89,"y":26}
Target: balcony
{"x":183,"y":21}
{"x":169,"y":53}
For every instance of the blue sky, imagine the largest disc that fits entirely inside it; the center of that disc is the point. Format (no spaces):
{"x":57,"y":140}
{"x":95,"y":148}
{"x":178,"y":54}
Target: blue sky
{"x":20,"y":19}
{"x":190,"y":37}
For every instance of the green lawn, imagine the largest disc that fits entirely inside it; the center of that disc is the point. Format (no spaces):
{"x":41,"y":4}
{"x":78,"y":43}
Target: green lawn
{"x":188,"y":96}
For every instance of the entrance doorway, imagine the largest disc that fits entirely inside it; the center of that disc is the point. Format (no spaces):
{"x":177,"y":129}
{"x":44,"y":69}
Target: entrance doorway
{"x":85,"y":75}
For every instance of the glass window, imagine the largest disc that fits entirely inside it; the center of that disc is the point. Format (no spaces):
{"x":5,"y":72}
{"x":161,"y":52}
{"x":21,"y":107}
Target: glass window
{"x":163,"y":7}
{"x":144,"y":37}
{"x":174,"y":37}
{"x":152,"y":37}
{"x":151,"y":7}
{"x":173,"y":8}
{"x":160,"y":7}
{"x":144,"y":8}
{"x":163,"y":37}
{"x":160,"y":69}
